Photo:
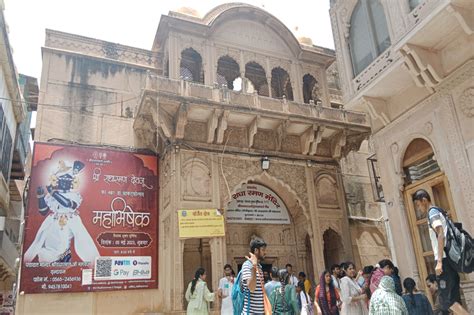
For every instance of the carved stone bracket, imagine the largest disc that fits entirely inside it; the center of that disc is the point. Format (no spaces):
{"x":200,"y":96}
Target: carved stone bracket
{"x":337,"y":144}
{"x":423,"y":65}
{"x":212,"y":125}
{"x":181,"y":120}
{"x":317,"y":140}
{"x":222,"y":126}
{"x":464,"y":17}
{"x":281,"y":133}
{"x":252,"y":131}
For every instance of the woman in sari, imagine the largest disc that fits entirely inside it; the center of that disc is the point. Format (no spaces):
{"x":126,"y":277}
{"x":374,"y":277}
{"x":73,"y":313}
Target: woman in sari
{"x":385,"y":301}
{"x":198,"y":295}
{"x":327,"y":297}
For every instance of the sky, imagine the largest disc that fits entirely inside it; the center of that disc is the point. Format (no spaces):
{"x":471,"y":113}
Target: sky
{"x":134,"y":23}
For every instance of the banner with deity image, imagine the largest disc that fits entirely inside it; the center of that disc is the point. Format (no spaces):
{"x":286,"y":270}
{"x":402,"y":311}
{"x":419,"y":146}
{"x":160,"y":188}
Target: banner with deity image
{"x":91,"y":220}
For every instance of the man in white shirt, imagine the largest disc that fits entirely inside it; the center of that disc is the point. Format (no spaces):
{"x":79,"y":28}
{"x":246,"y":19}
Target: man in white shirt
{"x":225,"y":290}
{"x":293,"y":279}
{"x":448,"y":278}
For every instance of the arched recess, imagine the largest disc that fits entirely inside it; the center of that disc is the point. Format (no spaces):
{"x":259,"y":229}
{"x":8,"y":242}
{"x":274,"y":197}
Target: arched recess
{"x":333,"y":248}
{"x":326,"y":191}
{"x":228,"y":71}
{"x":191,"y":68}
{"x":421,"y":171}
{"x":368,"y":34}
{"x":256,"y":75}
{"x":281,"y":84}
{"x":310,"y":88}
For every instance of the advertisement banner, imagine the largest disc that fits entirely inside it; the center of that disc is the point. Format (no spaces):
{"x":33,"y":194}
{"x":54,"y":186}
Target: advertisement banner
{"x":91,"y":220}
{"x":200,"y":223}
{"x":256,"y":204}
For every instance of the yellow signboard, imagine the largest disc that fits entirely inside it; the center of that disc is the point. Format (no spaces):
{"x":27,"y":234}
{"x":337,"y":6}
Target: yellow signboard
{"x":200,"y":223}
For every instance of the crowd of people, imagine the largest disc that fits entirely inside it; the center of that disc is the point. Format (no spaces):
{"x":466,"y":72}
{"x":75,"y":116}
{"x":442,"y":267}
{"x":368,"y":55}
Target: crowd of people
{"x":341,"y":290}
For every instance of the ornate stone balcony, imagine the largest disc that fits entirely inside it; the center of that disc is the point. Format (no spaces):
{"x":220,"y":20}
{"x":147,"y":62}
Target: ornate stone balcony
{"x":178,"y":110}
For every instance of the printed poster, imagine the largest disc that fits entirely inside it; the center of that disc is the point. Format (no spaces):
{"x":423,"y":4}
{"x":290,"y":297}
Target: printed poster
{"x":91,"y":220}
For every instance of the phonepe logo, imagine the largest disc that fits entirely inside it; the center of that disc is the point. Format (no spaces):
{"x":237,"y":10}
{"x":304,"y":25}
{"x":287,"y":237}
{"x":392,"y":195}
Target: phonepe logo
{"x":122,"y":263}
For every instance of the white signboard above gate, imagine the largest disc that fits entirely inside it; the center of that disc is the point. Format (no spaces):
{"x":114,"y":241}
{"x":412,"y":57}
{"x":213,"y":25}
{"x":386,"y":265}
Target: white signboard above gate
{"x":256,"y":204}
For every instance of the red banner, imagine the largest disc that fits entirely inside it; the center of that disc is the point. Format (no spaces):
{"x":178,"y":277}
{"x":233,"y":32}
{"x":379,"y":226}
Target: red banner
{"x":91,"y":220}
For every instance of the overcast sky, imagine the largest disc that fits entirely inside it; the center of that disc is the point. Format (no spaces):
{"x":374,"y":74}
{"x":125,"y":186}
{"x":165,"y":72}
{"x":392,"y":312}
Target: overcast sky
{"x":134,"y":23}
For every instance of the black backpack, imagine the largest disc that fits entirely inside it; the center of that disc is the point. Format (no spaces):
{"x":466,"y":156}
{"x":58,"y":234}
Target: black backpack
{"x":459,"y":247}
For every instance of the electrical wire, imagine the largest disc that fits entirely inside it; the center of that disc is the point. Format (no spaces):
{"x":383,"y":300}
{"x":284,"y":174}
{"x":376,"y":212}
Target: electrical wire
{"x":71,"y":105}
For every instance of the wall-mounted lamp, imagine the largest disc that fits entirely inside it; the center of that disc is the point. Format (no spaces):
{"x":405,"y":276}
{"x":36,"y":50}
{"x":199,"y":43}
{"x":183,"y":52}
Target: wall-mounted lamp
{"x":265,"y":163}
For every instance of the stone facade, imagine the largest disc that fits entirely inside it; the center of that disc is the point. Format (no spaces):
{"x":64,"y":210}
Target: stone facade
{"x":183,"y":100}
{"x":418,"y":90}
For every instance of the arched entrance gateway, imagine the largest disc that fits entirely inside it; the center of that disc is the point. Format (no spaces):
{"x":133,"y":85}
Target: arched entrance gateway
{"x":257,"y":209}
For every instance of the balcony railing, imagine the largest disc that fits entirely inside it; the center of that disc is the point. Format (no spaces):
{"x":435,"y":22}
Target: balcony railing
{"x":253,"y":101}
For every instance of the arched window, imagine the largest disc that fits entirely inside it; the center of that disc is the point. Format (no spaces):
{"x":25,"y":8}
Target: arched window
{"x":310,"y":88}
{"x":281,"y":84}
{"x":256,"y":75}
{"x":191,"y":66}
{"x":369,"y":35}
{"x":228,"y":73}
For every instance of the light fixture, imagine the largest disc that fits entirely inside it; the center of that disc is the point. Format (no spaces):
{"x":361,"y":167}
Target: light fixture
{"x":265,"y":163}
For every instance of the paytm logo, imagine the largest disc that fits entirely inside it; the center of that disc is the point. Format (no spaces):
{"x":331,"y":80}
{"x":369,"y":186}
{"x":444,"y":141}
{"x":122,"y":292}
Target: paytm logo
{"x":122,"y":263}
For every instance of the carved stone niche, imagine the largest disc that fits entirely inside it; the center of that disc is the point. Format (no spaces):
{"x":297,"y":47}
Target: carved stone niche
{"x":326,"y":192}
{"x":196,"y":180}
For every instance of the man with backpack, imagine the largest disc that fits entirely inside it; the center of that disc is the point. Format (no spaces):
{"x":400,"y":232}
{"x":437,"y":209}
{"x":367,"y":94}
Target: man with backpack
{"x":448,"y":277}
{"x":250,"y":282}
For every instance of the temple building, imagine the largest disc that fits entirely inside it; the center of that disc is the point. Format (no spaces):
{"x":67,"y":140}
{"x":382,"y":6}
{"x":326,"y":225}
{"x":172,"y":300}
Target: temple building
{"x":231,"y":102}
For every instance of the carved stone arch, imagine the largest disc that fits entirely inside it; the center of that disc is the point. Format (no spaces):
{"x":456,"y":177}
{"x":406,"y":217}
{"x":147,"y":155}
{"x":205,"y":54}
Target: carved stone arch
{"x":334,"y":224}
{"x":283,"y":190}
{"x":257,"y":58}
{"x":326,"y":191}
{"x":231,"y":53}
{"x":278,"y":63}
{"x":196,"y":180}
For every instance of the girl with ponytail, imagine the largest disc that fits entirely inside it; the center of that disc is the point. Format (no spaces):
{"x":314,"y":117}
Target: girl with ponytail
{"x":198,"y":295}
{"x":283,"y":298}
{"x":416,"y":302}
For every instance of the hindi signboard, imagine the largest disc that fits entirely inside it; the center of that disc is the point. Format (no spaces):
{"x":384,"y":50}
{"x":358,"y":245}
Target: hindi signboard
{"x":256,"y":204}
{"x":91,"y":220}
{"x":200,"y":223}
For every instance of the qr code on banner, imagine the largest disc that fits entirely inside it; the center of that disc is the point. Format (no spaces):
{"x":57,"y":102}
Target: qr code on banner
{"x":103,"y":268}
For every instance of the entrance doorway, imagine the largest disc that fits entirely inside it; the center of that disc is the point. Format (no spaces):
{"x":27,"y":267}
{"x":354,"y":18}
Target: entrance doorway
{"x":197,"y":253}
{"x":333,"y":248}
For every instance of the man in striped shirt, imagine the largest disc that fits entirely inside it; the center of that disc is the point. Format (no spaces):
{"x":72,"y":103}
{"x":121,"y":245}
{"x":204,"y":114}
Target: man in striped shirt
{"x":252,"y":278}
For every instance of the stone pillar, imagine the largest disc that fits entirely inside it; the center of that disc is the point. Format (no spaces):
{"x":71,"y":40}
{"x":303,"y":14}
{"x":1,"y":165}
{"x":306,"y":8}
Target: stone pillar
{"x":315,"y":235}
{"x":269,"y":83}
{"x":174,"y":57}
